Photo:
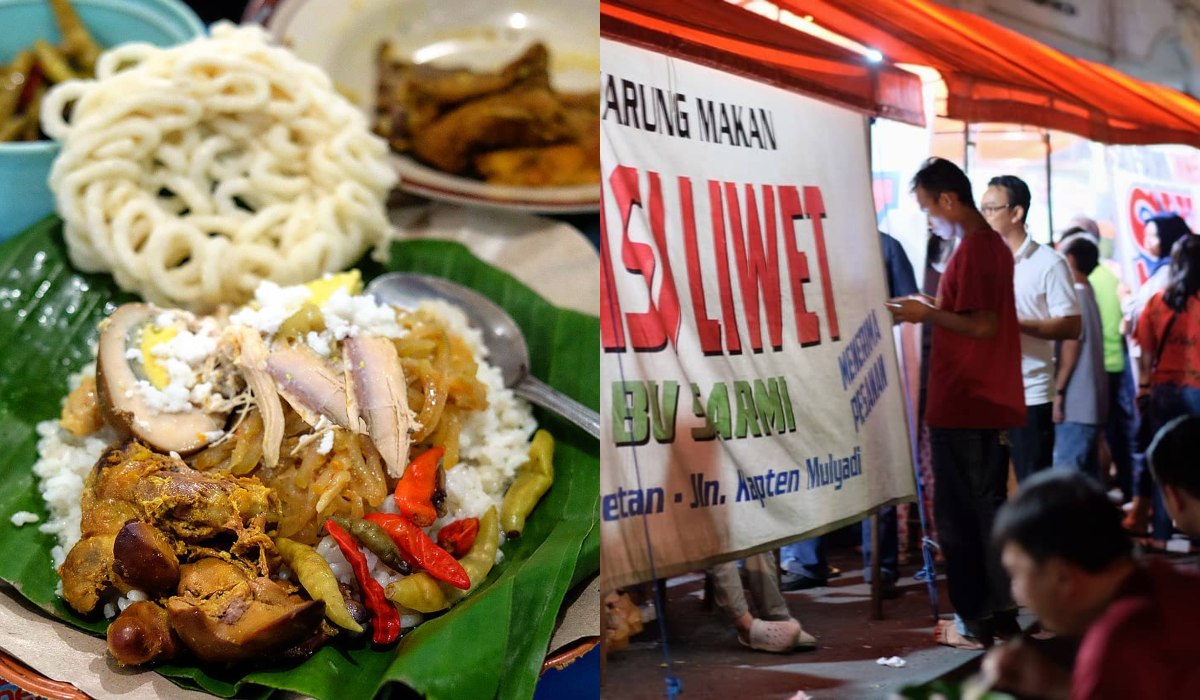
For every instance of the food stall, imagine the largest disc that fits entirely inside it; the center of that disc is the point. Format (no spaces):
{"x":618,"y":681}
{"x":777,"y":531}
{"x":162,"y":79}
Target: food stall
{"x":200,"y":193}
{"x":750,"y":384}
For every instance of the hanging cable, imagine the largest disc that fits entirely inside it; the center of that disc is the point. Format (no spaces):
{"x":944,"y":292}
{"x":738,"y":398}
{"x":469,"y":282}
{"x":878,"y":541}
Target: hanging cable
{"x":673,"y":686}
{"x":927,"y":573}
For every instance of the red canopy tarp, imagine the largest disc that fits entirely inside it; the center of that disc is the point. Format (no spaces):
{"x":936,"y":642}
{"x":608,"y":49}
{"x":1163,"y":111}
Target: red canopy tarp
{"x":994,"y":74}
{"x":723,"y":36}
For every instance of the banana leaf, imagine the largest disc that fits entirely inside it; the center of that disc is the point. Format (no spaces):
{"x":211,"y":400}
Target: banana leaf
{"x":491,"y":645}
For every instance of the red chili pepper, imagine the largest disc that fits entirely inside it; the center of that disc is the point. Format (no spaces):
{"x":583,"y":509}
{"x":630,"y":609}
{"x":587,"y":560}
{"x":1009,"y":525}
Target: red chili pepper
{"x":458,"y":536}
{"x":416,"y":491}
{"x":424,"y":551}
{"x":385,"y":619}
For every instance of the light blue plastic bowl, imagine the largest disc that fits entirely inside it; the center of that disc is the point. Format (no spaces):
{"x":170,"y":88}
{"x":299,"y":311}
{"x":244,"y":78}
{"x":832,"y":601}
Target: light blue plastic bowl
{"x":24,"y":167}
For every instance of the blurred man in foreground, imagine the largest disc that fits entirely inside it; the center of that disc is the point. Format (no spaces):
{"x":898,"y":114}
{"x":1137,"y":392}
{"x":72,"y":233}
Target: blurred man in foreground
{"x":1071,"y":563}
{"x":1173,"y":457}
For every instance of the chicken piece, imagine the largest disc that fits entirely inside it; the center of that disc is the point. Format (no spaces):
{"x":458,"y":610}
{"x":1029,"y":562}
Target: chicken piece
{"x":411,"y":96}
{"x":190,"y":508}
{"x":224,"y":615}
{"x":513,"y":119}
{"x":375,"y":381}
{"x":81,"y":412}
{"x":145,"y":559}
{"x":142,"y":634}
{"x":585,"y":128}
{"x":196,"y":506}
{"x":249,"y":354}
{"x":104,"y":512}
{"x":309,"y":384}
{"x":87,"y":573}
{"x":551,"y":166}
{"x":448,"y":87}
{"x":560,"y":165}
{"x":588,"y":102}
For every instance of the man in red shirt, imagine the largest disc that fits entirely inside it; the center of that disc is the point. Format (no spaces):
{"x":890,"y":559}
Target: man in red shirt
{"x":975,"y":393}
{"x":1071,"y":563}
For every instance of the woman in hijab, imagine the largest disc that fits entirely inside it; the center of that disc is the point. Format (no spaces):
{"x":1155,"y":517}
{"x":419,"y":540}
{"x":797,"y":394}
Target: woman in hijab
{"x":1170,"y":364}
{"x":1162,"y":232}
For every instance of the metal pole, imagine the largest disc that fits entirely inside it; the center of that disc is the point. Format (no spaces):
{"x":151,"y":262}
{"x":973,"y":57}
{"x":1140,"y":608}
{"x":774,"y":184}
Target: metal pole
{"x":876,"y":583}
{"x":1049,"y":190}
{"x":876,"y":591}
{"x":966,"y":147}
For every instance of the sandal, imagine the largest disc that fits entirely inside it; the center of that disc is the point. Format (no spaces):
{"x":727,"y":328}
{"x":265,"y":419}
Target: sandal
{"x":773,"y":636}
{"x":804,"y":640}
{"x":945,"y":632}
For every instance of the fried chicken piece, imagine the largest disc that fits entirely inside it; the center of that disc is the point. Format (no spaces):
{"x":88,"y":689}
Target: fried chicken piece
{"x":588,"y":102}
{"x":551,"y":166}
{"x":449,"y":87}
{"x":514,"y":119}
{"x":411,"y":96}
{"x":559,"y":165}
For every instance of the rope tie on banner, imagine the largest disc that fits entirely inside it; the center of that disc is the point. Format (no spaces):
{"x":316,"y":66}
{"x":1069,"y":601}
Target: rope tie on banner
{"x":926,"y":572}
{"x":673,"y":686}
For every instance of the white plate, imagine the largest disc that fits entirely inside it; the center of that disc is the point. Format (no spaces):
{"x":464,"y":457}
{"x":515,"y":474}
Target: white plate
{"x":342,"y":36}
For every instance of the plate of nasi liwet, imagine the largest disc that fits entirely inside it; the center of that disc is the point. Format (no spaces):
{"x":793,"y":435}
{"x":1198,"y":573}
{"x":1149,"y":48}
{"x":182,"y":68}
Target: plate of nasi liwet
{"x":227,"y":457}
{"x":484,"y":103}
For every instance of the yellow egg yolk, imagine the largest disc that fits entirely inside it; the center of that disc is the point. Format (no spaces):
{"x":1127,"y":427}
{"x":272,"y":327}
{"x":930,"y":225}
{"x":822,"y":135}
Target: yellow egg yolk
{"x":153,"y":336}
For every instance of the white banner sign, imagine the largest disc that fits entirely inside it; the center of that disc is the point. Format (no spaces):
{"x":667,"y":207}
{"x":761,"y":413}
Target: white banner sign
{"x":749,"y":386}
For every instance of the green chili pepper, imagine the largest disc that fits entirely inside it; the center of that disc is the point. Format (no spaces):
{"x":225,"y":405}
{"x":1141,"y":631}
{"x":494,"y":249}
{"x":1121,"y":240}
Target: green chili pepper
{"x":417,"y":547}
{"x":13,"y":84}
{"x":482,"y":557}
{"x":423,"y":593}
{"x":420,"y":592}
{"x":317,"y":578}
{"x":371,"y":536}
{"x":54,"y":65}
{"x":12,"y":128}
{"x":76,"y":39}
{"x":533,"y":480}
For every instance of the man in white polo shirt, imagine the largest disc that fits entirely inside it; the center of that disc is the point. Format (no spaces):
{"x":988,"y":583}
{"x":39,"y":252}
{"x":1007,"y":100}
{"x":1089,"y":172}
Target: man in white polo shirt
{"x":1047,"y":310}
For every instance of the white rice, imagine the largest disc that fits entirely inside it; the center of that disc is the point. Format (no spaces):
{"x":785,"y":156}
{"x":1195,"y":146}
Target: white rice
{"x":492,"y":446}
{"x":24,"y":517}
{"x":125,"y":601}
{"x":494,"y":443}
{"x":64,"y":462}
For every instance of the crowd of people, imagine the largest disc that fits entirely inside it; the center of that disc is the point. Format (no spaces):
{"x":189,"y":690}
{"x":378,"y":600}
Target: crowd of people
{"x":1061,"y":546}
{"x":1036,"y":361}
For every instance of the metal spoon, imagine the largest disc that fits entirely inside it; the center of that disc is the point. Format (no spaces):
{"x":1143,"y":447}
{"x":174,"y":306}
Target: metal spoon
{"x":505,"y":344}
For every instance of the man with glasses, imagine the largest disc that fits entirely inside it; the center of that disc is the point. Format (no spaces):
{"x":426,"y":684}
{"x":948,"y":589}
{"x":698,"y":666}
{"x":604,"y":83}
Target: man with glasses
{"x":1047,"y":311}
